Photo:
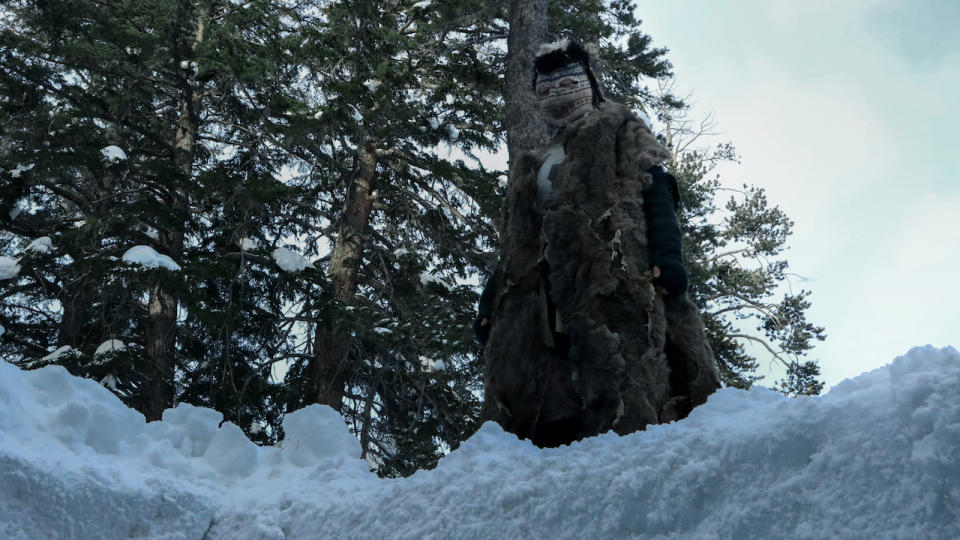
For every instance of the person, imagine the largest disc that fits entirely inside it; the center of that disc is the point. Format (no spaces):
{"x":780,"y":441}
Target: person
{"x":585,"y":322}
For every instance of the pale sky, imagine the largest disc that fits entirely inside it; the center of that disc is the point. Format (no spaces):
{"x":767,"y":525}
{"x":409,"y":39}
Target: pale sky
{"x":846,"y":112}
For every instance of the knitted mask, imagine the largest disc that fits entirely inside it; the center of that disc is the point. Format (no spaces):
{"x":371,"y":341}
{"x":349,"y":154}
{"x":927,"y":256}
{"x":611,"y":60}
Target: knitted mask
{"x":564,"y":95}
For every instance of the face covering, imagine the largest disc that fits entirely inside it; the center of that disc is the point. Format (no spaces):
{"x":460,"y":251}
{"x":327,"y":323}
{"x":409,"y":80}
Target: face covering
{"x":564,"y":95}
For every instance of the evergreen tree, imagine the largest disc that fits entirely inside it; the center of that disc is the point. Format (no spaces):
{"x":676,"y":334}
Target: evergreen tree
{"x":177,"y":86}
{"x":391,"y":90}
{"x":357,"y":107}
{"x":346,"y":131}
{"x":736,"y":264}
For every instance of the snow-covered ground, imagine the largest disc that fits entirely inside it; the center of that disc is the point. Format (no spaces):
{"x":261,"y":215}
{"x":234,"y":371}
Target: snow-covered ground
{"x":877,"y":457}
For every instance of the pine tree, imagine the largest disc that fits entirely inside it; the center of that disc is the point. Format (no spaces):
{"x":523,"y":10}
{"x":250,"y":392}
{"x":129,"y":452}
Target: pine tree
{"x":391,"y":89}
{"x":177,"y":86}
{"x":736,"y":264}
{"x":348,"y":132}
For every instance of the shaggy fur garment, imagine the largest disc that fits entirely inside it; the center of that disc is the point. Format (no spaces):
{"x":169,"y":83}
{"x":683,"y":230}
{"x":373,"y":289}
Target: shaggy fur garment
{"x":625,"y":357}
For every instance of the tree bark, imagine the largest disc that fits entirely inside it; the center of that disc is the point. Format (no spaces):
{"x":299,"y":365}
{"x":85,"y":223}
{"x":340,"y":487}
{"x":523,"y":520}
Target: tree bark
{"x":525,"y":127}
{"x":348,"y":247}
{"x":160,"y":333}
{"x":326,"y":371}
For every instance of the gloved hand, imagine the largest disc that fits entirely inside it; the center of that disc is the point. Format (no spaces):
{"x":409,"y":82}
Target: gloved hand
{"x":481,"y":330}
{"x":670,"y":277}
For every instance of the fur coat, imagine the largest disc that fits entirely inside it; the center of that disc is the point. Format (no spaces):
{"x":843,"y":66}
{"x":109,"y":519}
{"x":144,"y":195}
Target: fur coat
{"x":574,"y":272}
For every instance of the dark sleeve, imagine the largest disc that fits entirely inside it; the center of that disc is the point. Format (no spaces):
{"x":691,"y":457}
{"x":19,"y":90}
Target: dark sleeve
{"x":660,"y":203}
{"x":485,"y":306}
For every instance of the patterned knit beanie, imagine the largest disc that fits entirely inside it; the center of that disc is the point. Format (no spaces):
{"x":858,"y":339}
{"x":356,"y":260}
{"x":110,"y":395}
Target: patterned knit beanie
{"x":553,"y":56}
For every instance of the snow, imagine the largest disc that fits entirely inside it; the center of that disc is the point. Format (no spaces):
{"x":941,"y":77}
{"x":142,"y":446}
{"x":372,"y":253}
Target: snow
{"x":41,"y":245}
{"x":113,"y":154}
{"x":57,"y":354}
{"x":876,"y":457}
{"x":427,"y":278}
{"x":247,"y":244}
{"x":109,"y":382}
{"x":148,"y":257}
{"x":109,"y":346}
{"x":372,"y":85}
{"x":357,"y":117}
{"x":434,"y":122}
{"x":290,"y":261}
{"x":431,"y":364}
{"x":9,"y":268}
{"x":423,"y":5}
{"x":18,"y":170}
{"x":452,"y":132}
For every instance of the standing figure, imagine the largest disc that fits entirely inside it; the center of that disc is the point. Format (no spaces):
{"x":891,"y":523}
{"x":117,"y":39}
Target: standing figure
{"x":586,"y":321}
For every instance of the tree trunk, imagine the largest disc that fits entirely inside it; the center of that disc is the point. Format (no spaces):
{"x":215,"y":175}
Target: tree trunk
{"x":160,"y":333}
{"x":76,"y":315}
{"x":348,"y":248}
{"x":528,"y":29}
{"x":326,"y":371}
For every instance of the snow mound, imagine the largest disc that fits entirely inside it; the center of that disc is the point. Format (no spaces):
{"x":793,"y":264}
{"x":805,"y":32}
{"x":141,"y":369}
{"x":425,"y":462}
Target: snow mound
{"x":148,"y":257}
{"x":41,"y":245}
{"x":109,"y":346}
{"x":58,"y":353}
{"x":113,"y":154}
{"x":877,"y":457}
{"x":9,"y":268}
{"x":290,"y":261}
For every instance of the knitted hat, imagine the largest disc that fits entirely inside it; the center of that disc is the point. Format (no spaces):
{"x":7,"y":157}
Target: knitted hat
{"x":553,"y":56}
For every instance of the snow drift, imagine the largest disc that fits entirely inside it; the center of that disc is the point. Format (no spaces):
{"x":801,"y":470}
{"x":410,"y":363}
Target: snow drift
{"x":876,"y":457}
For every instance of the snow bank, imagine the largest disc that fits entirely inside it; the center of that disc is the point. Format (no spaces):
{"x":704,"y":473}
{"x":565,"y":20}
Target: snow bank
{"x":76,"y":463}
{"x":877,"y":457}
{"x":148,"y":257}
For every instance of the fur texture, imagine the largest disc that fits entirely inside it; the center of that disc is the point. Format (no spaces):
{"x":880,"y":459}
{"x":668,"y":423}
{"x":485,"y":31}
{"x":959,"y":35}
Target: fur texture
{"x":633,"y":359}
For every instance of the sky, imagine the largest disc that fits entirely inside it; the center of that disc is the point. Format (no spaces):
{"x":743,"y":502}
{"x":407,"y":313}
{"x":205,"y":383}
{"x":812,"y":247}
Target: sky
{"x":846,"y":113}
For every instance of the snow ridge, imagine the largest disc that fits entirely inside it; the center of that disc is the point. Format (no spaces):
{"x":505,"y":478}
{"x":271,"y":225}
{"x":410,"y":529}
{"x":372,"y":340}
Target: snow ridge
{"x":877,"y":457}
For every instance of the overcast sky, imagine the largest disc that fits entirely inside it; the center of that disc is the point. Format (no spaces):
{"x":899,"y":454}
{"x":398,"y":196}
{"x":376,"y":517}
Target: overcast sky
{"x":846,"y":112}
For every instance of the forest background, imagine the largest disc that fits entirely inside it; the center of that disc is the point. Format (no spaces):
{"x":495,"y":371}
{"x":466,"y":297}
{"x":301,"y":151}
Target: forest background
{"x":320,"y":176}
